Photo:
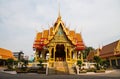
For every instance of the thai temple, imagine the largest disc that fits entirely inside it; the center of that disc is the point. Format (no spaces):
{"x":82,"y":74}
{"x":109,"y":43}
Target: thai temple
{"x":60,"y":47}
{"x":109,"y":52}
{"x":4,"y":55}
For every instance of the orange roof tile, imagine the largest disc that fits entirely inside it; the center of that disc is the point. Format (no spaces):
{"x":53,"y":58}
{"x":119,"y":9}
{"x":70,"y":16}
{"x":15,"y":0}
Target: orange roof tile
{"x":72,"y":33}
{"x":38,"y":36}
{"x":91,"y":55}
{"x":5,"y":54}
{"x":45,"y":33}
{"x":51,"y":31}
{"x":108,"y":50}
{"x":78,"y":37}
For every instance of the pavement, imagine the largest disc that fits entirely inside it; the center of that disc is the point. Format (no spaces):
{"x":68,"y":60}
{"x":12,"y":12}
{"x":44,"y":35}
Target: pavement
{"x":111,"y":74}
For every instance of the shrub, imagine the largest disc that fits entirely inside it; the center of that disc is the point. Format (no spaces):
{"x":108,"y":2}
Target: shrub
{"x":91,"y":70}
{"x":79,"y":63}
{"x":100,"y":71}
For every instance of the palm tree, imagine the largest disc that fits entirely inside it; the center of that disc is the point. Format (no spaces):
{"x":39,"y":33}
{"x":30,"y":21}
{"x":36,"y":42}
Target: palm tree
{"x":97,"y":59}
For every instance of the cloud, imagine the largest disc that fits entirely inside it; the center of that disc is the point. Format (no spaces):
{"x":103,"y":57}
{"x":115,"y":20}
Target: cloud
{"x":99,"y":20}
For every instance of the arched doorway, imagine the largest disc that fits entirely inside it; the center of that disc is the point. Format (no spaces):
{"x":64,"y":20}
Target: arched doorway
{"x":60,"y":53}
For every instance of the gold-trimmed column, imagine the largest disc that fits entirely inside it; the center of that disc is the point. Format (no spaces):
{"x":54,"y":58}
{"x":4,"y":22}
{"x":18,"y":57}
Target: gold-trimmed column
{"x":70,"y":54}
{"x":66,"y":53}
{"x":36,"y":55}
{"x":81,"y":56}
{"x":49,"y":53}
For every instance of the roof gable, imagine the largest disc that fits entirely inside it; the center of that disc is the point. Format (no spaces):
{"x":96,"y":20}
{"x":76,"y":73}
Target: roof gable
{"x":109,"y":50}
{"x":60,"y":36}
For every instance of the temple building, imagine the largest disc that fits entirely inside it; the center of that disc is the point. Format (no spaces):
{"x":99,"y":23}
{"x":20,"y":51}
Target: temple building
{"x":93,"y":53}
{"x":60,"y":47}
{"x":4,"y":55}
{"x":109,"y":52}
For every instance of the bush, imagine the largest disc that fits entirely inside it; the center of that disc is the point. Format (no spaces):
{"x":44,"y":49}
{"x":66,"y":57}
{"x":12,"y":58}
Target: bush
{"x":83,"y":71}
{"x":9,"y":69}
{"x":21,"y":70}
{"x":91,"y":70}
{"x":97,"y":59}
{"x":10,"y":62}
{"x":100,"y":71}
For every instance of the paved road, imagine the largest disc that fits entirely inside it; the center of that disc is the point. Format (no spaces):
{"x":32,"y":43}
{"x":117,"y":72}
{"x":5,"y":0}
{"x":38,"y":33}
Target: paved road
{"x":112,"y":75}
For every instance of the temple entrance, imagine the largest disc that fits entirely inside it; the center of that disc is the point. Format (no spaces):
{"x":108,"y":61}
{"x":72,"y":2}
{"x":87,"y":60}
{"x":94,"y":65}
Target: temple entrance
{"x":60,"y":53}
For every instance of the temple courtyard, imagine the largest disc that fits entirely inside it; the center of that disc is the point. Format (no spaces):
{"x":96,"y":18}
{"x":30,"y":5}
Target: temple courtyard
{"x":110,"y":74}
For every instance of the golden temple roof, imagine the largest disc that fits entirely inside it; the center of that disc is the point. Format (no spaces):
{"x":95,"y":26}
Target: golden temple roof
{"x":45,"y":33}
{"x":50,"y":33}
{"x":38,"y":36}
{"x":72,"y":33}
{"x":5,"y":54}
{"x":79,"y":37}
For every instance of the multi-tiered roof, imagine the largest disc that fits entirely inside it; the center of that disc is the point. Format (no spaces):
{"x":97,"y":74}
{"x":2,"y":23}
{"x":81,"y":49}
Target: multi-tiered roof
{"x":43,"y":38}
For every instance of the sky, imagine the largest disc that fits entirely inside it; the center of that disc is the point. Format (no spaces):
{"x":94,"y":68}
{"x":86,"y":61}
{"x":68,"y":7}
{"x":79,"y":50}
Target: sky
{"x":97,"y":20}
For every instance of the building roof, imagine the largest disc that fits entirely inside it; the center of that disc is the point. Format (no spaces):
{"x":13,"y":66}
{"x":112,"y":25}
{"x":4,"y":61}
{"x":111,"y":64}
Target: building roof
{"x":110,"y":49}
{"x":92,"y":54}
{"x":48,"y":35}
{"x":5,"y":54}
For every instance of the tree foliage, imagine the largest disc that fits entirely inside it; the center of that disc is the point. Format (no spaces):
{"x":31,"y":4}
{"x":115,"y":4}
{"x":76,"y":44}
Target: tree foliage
{"x":25,"y":62}
{"x":41,"y":61}
{"x":87,"y":51}
{"x":79,"y":63}
{"x":98,"y":60}
{"x":10,"y":62}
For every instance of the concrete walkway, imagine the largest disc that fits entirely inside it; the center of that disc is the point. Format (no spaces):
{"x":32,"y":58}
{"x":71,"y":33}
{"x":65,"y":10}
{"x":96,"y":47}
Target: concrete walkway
{"x":93,"y":73}
{"x":10,"y":72}
{"x":88,"y":73}
{"x":109,"y":74}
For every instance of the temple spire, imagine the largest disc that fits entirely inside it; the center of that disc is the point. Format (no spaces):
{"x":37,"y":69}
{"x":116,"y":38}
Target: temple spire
{"x":59,"y":16}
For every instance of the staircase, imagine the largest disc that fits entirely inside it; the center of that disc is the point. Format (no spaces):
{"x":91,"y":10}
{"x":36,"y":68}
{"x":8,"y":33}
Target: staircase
{"x":61,"y":67}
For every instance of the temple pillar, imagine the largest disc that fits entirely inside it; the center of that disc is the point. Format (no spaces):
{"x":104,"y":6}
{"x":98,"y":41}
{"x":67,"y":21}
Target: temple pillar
{"x":81,"y":56}
{"x":50,"y":49}
{"x":70,"y":54}
{"x":36,"y":56}
{"x":116,"y":61}
{"x":66,"y":52}
{"x":110,"y":62}
{"x":43,"y":54}
{"x":75,"y":55}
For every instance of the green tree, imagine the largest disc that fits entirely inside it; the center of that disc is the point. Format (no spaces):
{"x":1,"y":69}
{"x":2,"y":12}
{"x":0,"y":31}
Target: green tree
{"x":25,"y":62}
{"x":10,"y":63}
{"x":105,"y":63}
{"x":87,"y":51}
{"x":98,"y":60}
{"x":41,"y":61}
{"x":79,"y":63}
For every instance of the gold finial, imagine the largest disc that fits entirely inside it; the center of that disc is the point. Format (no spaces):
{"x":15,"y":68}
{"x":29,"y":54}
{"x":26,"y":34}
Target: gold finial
{"x":59,"y":16}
